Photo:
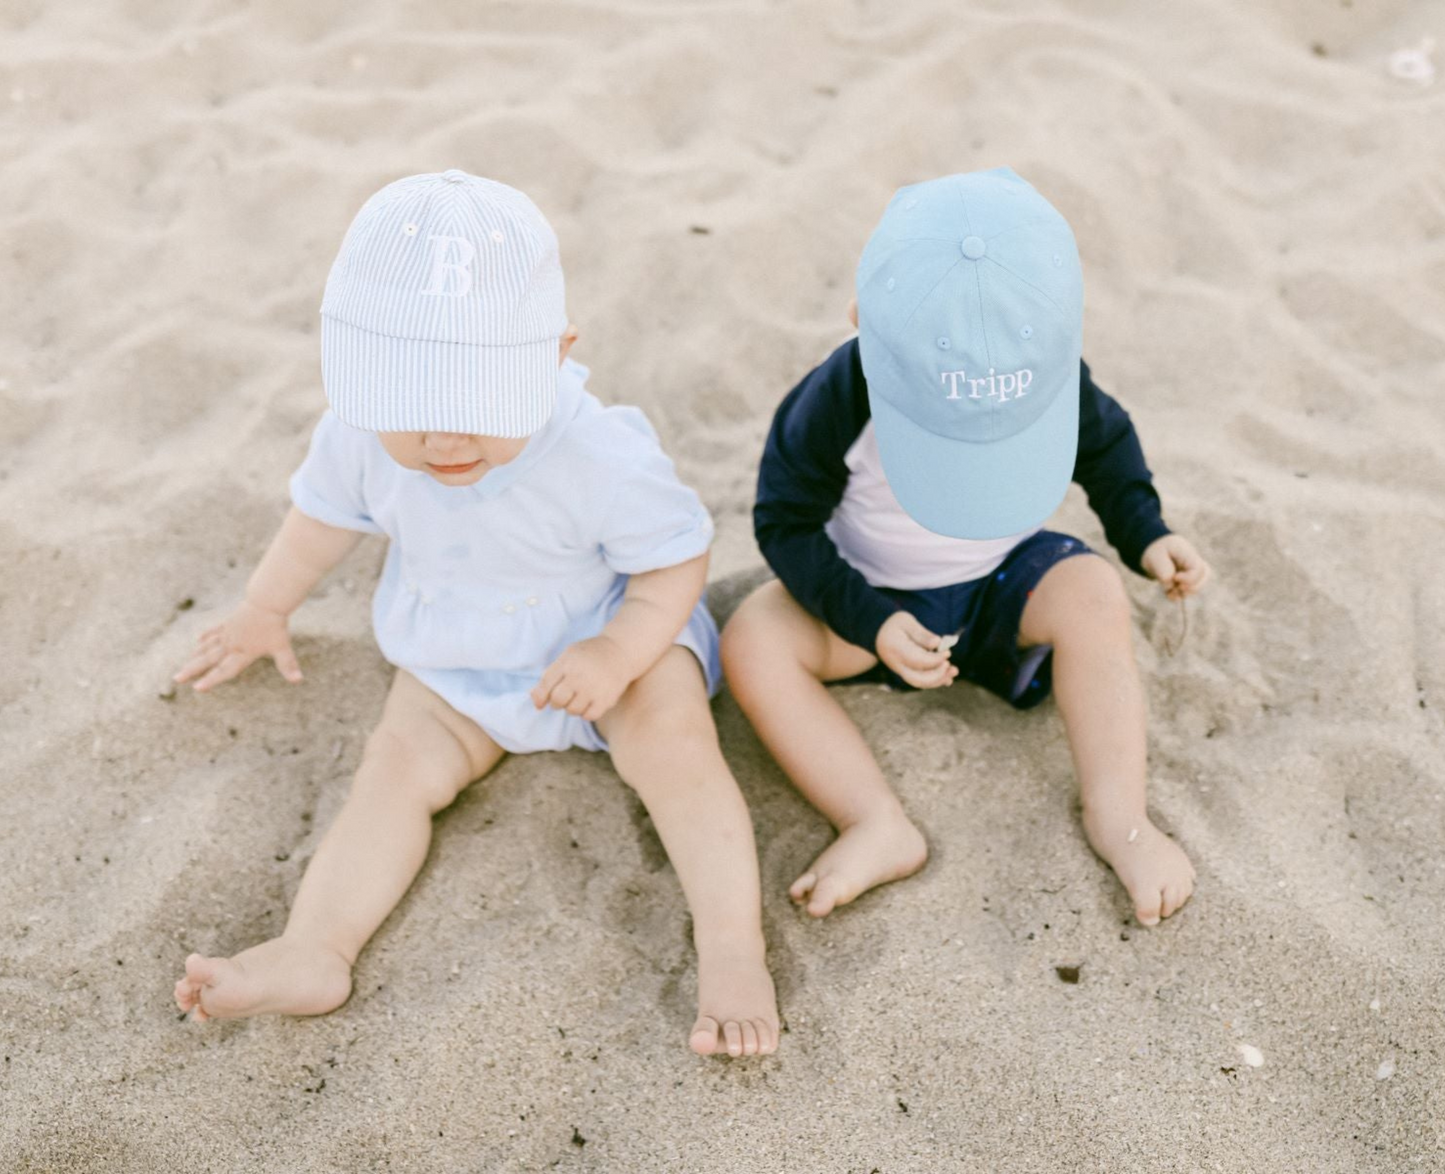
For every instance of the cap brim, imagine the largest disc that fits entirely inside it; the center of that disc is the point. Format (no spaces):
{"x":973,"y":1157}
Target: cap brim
{"x":385,"y":384}
{"x":962,"y":489}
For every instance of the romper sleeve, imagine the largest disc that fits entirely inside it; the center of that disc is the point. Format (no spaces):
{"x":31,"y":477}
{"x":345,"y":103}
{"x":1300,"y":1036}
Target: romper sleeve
{"x":651,"y":520}
{"x":329,"y":485}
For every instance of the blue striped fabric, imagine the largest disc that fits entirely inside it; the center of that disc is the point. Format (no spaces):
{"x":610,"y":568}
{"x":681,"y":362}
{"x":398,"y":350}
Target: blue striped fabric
{"x":443,"y":311}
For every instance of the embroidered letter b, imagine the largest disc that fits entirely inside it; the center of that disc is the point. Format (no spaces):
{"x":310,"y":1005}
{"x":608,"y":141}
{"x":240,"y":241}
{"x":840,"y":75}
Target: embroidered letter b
{"x":440,"y":265}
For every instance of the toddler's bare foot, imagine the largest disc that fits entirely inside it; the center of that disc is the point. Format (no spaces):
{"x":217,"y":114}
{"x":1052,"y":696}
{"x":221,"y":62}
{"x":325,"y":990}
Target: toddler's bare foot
{"x":737,"y":1010}
{"x":866,"y":854}
{"x":1152,"y":867}
{"x":279,"y":977}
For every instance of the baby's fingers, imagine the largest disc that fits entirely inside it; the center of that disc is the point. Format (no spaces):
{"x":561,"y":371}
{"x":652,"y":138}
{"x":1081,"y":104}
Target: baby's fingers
{"x":198,"y":664}
{"x":921,"y":659}
{"x":944,"y":674}
{"x":286,"y":664}
{"x":543,"y":688}
{"x":1194,"y":577}
{"x":231,"y":665}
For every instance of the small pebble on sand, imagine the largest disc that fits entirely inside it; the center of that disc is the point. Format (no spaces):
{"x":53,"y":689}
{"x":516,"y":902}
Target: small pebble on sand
{"x":1251,"y":1055}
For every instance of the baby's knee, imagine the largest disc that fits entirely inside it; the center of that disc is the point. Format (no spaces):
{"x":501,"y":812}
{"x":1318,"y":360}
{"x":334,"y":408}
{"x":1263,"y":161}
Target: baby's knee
{"x":661,"y":739}
{"x":1096,"y":598}
{"x":759,"y":634}
{"x":419,"y":766}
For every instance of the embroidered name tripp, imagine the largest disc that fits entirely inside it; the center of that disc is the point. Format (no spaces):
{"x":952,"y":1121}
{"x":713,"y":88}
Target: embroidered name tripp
{"x":1011,"y":384}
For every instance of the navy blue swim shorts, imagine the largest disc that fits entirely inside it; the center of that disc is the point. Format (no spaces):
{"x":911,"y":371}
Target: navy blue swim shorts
{"x":988,"y":611}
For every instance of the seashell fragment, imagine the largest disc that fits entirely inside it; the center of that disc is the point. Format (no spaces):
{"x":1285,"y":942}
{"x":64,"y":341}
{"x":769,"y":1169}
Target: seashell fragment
{"x":1386,"y":1069}
{"x":1414,"y":65}
{"x":1251,"y":1055}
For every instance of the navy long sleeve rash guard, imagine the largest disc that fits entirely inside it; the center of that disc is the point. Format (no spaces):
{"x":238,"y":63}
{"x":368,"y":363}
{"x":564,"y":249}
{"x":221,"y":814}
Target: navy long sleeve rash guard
{"x":803,"y":476}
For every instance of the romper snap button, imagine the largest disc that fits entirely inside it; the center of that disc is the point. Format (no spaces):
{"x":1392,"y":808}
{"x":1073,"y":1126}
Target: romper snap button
{"x":532,"y":601}
{"x":510,"y":608}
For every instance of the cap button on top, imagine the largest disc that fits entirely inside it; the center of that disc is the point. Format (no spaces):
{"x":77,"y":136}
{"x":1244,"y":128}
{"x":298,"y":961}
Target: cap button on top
{"x":973,"y":247}
{"x":454,"y":176}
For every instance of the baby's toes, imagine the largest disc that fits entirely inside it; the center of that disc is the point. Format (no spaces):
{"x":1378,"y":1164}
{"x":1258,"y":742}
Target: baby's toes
{"x":703,"y":1039}
{"x":828,"y":894}
{"x":750,"y":1037}
{"x":1174,"y":898}
{"x":186,"y":994}
{"x":802,"y":887}
{"x":1148,"y":905}
{"x":767,"y":1037}
{"x":733,"y":1034}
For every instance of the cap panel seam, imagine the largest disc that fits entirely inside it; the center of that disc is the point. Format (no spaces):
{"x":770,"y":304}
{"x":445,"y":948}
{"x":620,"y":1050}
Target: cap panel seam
{"x":928,"y":293}
{"x":1025,"y":281}
{"x":987,"y":349}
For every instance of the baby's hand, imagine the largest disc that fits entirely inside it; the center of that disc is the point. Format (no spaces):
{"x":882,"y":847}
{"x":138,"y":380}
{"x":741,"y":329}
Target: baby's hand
{"x":248,"y":634}
{"x":912,"y":651}
{"x":586,"y":680}
{"x":1180,"y":569}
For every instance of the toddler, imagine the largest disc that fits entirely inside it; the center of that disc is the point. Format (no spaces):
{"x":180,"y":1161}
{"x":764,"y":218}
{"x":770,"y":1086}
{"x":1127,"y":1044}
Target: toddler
{"x":542,"y":590}
{"x":901,"y":498}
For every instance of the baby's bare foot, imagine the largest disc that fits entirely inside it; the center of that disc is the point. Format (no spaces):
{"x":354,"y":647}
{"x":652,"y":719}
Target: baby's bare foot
{"x":737,"y":1010}
{"x":1152,"y":867}
{"x":866,"y":854}
{"x":278,"y":977}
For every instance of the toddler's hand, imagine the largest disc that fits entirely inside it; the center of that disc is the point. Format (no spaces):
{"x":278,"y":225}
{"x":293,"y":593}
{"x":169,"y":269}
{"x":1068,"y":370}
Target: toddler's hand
{"x":1180,"y":569}
{"x":586,"y":680}
{"x":248,"y":634}
{"x":911,"y":651}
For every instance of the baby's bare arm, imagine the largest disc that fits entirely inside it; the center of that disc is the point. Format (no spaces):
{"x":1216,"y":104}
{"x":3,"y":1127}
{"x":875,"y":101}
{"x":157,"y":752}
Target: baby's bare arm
{"x":300,"y":555}
{"x":654,"y":609}
{"x":589,"y":677}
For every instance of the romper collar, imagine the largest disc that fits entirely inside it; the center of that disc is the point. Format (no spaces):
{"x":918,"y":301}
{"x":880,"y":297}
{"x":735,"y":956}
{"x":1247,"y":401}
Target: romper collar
{"x":570,"y":382}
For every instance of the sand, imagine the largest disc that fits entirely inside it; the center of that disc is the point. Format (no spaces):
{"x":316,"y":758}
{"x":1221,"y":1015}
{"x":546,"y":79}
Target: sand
{"x":1260,"y":208}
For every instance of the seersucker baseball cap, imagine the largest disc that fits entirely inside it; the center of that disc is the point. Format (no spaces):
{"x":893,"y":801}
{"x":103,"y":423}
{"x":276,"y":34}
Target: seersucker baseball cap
{"x":443,"y":310}
{"x":970,"y":323}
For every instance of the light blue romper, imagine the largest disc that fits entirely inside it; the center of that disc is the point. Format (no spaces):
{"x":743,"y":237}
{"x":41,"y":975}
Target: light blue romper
{"x":485,"y":585}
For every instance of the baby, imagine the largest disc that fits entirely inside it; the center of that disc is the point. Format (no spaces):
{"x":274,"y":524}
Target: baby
{"x":542,"y":590}
{"x":900,"y":501}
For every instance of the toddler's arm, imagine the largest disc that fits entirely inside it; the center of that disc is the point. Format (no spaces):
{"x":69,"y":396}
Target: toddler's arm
{"x":589,"y":676}
{"x":300,"y":555}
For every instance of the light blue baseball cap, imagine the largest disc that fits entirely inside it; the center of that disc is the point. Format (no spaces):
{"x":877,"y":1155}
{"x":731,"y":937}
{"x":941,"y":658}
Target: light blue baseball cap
{"x":970,"y":324}
{"x":443,"y":310}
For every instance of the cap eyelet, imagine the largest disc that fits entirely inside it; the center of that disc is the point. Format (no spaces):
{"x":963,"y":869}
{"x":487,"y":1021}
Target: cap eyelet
{"x":409,"y":229}
{"x":1026,"y":332}
{"x":944,"y":344}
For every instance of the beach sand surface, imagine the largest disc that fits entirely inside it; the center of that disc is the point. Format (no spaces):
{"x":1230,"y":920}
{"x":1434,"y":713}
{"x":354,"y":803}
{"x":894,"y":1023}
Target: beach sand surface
{"x":1260,"y":208}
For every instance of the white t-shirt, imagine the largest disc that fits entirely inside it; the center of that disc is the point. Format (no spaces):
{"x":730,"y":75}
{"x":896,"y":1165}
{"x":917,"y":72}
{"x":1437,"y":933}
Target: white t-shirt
{"x":881,"y":540}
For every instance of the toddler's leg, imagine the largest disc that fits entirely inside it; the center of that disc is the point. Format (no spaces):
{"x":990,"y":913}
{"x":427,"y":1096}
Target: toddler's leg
{"x":1080,"y":607}
{"x":777,"y":657}
{"x":420,"y":756}
{"x":664,"y":745}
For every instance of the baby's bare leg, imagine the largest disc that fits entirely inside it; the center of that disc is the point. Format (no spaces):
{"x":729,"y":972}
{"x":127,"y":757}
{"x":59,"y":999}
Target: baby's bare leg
{"x":664,"y":745}
{"x":1080,"y":607}
{"x":416,"y":761}
{"x":777,"y":657}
